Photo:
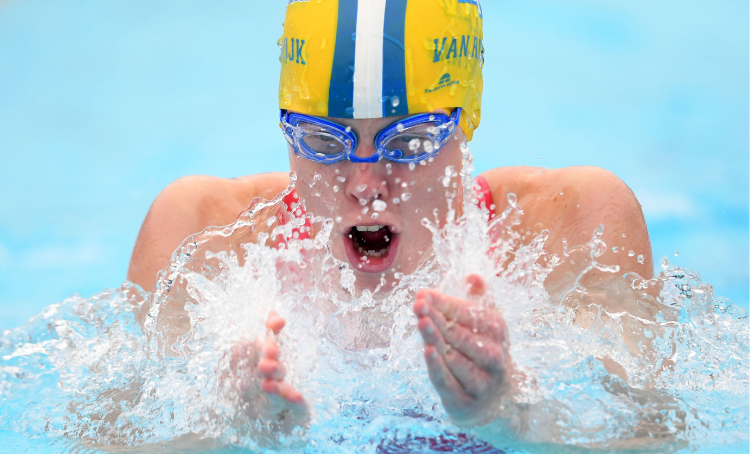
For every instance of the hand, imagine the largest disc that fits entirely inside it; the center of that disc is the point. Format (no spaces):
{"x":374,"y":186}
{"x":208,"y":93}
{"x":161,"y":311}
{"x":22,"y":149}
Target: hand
{"x":276,"y":399}
{"x":466,"y":348}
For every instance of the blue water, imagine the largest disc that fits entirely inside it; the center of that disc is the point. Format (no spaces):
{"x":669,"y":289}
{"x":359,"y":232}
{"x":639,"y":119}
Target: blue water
{"x":103,"y":104}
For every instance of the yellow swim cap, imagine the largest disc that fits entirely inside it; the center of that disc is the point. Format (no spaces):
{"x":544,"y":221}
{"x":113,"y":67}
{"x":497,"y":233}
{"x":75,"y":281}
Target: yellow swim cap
{"x":381,"y":58}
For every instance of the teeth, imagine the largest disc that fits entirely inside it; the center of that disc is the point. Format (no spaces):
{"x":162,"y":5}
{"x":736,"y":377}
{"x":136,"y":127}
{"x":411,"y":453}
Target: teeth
{"x":371,"y":253}
{"x":369,"y":228}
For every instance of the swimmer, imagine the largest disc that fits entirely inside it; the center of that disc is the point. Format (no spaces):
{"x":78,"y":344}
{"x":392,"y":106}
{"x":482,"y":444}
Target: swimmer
{"x":375,"y":101}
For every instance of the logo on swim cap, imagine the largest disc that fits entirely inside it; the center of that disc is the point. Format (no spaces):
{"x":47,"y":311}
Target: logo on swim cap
{"x":381,"y":58}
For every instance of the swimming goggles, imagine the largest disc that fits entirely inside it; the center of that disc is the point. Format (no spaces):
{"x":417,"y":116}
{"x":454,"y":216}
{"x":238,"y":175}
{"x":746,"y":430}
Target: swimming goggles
{"x":412,"y":139}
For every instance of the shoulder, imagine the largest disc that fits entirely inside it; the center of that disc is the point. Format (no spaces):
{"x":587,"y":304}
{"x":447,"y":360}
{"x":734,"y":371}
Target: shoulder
{"x":571,"y":203}
{"x":188,"y":205}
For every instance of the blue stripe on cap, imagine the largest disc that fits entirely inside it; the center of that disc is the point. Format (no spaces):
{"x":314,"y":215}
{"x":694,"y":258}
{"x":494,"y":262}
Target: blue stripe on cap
{"x":394,"y":64}
{"x":473,"y":2}
{"x":341,"y":89}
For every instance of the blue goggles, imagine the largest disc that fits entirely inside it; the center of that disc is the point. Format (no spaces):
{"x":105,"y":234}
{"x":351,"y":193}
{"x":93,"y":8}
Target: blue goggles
{"x":412,"y":139}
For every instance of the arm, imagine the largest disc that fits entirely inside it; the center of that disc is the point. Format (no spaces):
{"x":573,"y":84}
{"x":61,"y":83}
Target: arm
{"x":571,"y":203}
{"x":187,"y":206}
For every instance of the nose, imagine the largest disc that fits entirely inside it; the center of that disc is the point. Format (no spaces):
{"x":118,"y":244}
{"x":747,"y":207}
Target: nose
{"x":367,"y":182}
{"x":365,"y":152}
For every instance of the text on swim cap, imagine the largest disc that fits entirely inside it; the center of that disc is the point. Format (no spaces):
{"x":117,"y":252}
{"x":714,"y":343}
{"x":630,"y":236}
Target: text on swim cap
{"x":454,"y":51}
{"x":291,"y":50}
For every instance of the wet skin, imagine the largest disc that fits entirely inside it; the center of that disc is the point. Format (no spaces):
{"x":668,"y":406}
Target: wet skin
{"x":569,"y":202}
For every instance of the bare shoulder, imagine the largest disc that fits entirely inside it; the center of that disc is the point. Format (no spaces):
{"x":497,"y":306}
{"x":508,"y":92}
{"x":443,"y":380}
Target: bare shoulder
{"x":188,"y":205}
{"x":571,"y":203}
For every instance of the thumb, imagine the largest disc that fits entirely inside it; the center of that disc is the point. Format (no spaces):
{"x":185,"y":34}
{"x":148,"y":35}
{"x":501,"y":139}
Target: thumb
{"x":274,"y":322}
{"x":476,"y":285}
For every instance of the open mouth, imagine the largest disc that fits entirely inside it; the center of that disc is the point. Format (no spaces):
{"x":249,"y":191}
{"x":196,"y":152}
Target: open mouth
{"x":371,"y":248}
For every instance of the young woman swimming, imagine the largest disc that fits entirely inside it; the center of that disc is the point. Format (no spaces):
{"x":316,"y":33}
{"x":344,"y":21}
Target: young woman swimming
{"x":376,"y":98}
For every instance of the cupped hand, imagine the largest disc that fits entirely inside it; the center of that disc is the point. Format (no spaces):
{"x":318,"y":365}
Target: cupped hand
{"x":277,"y":400}
{"x":466,"y":349}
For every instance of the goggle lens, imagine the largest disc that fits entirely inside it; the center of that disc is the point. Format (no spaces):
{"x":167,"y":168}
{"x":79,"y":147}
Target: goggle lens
{"x":320,"y":140}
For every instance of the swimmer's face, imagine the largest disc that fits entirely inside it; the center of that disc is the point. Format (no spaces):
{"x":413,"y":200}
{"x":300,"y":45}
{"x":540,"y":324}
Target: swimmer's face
{"x":380,"y":204}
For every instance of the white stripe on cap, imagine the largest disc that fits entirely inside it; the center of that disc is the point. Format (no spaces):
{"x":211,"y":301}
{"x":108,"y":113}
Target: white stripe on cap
{"x":368,"y":59}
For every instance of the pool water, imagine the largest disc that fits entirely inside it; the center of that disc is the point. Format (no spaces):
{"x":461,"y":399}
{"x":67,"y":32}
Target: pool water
{"x":152,"y":370}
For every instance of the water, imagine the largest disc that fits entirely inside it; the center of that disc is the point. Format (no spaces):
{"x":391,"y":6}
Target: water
{"x":155,"y":371}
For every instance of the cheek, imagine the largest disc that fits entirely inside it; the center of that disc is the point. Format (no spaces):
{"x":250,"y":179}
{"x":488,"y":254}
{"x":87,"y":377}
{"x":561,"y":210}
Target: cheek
{"x":317,"y":185}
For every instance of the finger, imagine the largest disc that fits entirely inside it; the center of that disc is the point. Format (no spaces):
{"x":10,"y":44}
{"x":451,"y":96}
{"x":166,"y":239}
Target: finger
{"x":271,"y":368}
{"x":446,"y":384}
{"x":282,"y":389}
{"x":471,"y":378}
{"x":271,"y":349}
{"x":484,"y":351}
{"x":471,"y":315}
{"x":274,"y":322}
{"x":476,"y":285}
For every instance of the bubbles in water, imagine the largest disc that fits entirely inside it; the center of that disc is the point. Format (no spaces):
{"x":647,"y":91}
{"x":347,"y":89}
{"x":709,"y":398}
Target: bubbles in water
{"x":414,"y":144}
{"x":379,"y":205}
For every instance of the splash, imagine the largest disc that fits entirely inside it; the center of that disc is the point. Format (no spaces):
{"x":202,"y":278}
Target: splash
{"x":630,"y":364}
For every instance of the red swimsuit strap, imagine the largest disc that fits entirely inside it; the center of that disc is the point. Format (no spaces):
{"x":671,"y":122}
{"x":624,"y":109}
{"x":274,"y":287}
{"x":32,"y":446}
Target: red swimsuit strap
{"x":484,"y":195}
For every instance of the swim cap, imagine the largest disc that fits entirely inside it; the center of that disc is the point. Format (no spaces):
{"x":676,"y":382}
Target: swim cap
{"x":382,"y":58}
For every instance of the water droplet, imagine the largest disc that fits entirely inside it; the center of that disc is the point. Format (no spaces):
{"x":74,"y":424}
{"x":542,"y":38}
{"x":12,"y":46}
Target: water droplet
{"x":379,"y":205}
{"x":676,"y":253}
{"x":412,"y":166}
{"x":395,"y":101}
{"x":631,"y":253}
{"x":615,"y":249}
{"x":428,"y":146}
{"x":414,"y":144}
{"x":361,"y":188}
{"x":375,"y":215}
{"x":365,"y":210}
{"x":270,"y":221}
{"x":348,"y":129}
{"x":340,"y":179}
{"x":396,"y":200}
{"x":405,"y":196}
{"x":640,"y":259}
{"x":335,"y":188}
{"x":400,"y":127}
{"x":338,"y":219}
{"x":623,"y":235}
{"x":664,"y":263}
